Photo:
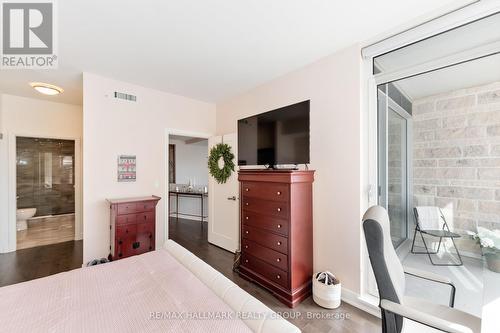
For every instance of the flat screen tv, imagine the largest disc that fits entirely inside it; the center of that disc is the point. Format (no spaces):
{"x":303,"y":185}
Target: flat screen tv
{"x":276,"y":137}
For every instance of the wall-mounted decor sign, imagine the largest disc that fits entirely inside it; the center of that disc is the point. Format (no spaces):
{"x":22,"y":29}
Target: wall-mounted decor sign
{"x":126,"y":168}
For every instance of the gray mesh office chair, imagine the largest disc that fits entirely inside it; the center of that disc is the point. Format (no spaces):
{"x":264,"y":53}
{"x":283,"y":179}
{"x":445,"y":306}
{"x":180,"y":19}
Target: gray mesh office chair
{"x":401,"y":313}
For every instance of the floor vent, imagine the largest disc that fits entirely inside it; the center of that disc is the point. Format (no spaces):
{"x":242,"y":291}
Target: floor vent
{"x":126,"y":97}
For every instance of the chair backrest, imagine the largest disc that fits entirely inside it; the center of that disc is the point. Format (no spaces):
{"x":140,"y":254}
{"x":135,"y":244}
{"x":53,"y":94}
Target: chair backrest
{"x":429,"y":217}
{"x":385,"y":263}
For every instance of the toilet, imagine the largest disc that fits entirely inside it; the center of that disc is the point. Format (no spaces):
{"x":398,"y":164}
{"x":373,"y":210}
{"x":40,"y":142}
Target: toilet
{"x":22,"y":216}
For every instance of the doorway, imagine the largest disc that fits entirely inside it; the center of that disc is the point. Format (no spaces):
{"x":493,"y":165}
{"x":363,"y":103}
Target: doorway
{"x":45,"y":191}
{"x":188,"y":189}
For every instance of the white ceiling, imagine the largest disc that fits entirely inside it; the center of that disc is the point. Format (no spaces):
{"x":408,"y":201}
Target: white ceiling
{"x":470,"y":74}
{"x":207,"y":50}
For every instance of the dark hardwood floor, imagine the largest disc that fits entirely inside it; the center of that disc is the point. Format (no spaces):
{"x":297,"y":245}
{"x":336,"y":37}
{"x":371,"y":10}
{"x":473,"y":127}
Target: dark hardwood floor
{"x":309,"y":316}
{"x":37,"y":262}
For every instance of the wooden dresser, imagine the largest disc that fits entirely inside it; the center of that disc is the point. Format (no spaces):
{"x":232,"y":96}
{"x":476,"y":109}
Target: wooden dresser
{"x":132,"y":226}
{"x":276,"y":231}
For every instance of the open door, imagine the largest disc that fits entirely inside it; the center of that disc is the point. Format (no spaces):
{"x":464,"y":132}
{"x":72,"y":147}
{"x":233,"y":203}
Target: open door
{"x":223,"y":201}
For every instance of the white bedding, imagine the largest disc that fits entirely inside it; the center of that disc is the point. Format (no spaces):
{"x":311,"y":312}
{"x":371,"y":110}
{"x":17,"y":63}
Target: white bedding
{"x":136,"y":294}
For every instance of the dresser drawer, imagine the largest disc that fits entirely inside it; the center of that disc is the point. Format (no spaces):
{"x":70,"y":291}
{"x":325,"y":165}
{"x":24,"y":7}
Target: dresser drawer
{"x":270,"y":272}
{"x":145,"y":206}
{"x":277,"y":259}
{"x":127,"y":208}
{"x":266,"y":222}
{"x":265,"y":191}
{"x":265,"y":238}
{"x":272,"y":208}
{"x":146,"y":217}
{"x":126,"y":231}
{"x":126,"y":219}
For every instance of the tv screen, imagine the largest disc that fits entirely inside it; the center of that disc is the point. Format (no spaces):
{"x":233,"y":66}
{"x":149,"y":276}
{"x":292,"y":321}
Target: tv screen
{"x":276,"y":137}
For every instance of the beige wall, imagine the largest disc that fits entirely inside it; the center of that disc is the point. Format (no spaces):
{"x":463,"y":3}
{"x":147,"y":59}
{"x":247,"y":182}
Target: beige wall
{"x":29,"y":117}
{"x":113,"y":127}
{"x":334,"y":88}
{"x":457,"y":157}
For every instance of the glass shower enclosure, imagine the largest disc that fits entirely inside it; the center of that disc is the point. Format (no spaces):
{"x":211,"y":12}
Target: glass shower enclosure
{"x":45,"y":175}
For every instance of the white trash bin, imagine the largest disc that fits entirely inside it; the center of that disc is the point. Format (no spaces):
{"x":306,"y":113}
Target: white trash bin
{"x":326,"y":290}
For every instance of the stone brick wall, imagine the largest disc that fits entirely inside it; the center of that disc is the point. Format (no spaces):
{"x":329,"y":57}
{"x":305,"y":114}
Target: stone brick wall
{"x":456,"y":157}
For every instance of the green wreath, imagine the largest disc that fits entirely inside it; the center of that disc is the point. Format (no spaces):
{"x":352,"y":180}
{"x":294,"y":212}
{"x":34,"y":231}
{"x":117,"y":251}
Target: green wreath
{"x":217,"y":152}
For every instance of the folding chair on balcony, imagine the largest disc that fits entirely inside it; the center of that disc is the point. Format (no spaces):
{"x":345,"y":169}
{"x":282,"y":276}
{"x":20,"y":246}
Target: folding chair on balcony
{"x":429,"y":220}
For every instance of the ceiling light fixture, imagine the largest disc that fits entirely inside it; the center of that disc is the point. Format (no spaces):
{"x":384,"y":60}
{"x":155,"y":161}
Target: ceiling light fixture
{"x":46,"y":89}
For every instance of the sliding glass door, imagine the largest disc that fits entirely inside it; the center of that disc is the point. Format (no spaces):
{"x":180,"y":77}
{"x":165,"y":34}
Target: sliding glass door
{"x":393,"y":163}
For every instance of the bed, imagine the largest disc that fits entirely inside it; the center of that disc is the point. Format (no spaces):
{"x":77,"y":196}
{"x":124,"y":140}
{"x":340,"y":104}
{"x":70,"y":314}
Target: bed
{"x":167,"y":290}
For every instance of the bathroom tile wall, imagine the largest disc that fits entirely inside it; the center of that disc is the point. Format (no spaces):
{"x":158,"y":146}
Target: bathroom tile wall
{"x":456,"y":156}
{"x":45,"y":175}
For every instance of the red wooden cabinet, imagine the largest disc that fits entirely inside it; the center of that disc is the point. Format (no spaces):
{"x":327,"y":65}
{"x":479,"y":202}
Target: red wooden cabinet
{"x":276,"y":231}
{"x":132,"y":226}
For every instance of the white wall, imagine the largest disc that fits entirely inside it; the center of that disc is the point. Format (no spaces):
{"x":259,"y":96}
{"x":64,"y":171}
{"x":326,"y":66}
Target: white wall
{"x":21,"y":116}
{"x":112,"y":127}
{"x":333,"y":85}
{"x":191,"y":163}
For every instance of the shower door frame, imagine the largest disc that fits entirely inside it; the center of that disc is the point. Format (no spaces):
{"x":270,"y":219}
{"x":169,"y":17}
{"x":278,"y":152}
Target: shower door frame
{"x":11,"y":240}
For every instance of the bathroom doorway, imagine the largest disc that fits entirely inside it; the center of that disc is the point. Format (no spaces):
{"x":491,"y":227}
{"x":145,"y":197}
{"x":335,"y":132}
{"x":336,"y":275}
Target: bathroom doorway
{"x":45,"y":191}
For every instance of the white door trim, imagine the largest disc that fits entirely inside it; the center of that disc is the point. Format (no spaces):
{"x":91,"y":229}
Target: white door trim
{"x":11,"y":238}
{"x":166,"y":202}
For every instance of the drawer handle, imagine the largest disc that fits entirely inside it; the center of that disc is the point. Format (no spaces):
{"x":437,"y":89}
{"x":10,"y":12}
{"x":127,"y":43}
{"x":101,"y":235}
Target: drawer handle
{"x":279,"y":209}
{"x":279,"y":243}
{"x":246,"y":246}
{"x":278,"y":259}
{"x":246,"y":217}
{"x":278,"y":193}
{"x":246,"y":232}
{"x":278,"y":276}
{"x":279,"y":226}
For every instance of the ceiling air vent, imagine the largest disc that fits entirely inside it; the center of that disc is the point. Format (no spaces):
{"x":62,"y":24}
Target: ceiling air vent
{"x":126,"y":97}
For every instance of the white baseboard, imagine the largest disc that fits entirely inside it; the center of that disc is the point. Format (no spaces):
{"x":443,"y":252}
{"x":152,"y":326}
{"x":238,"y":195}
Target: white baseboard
{"x":359,"y":302}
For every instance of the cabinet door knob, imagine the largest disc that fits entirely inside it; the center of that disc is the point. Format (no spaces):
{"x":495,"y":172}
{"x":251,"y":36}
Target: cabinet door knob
{"x":246,"y":203}
{"x":278,"y":260}
{"x":246,"y":260}
{"x":120,"y":242}
{"x":246,"y":217}
{"x":278,"y":276}
{"x":278,"y":193}
{"x":247,"y":189}
{"x":246,"y":232}
{"x":279,"y":243}
{"x":279,"y":226}
{"x":246,"y":246}
{"x":279,"y":209}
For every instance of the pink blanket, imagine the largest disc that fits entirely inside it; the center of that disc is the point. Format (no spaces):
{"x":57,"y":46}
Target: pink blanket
{"x":147,"y":293}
